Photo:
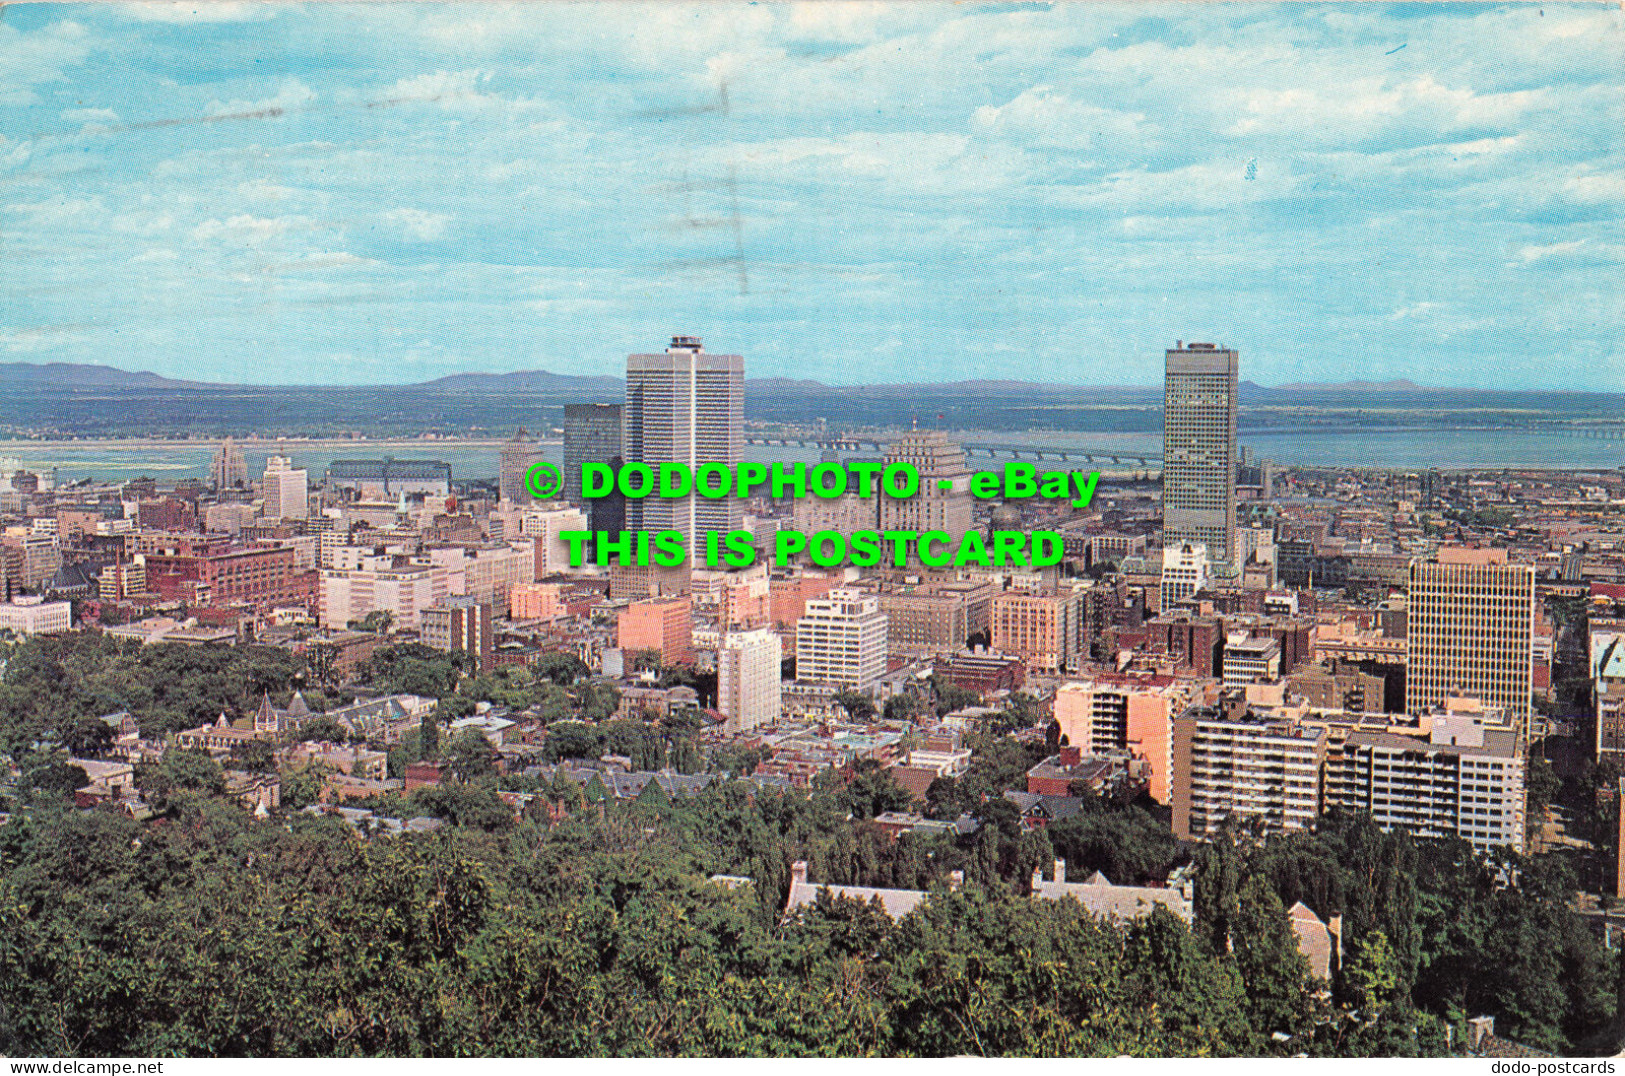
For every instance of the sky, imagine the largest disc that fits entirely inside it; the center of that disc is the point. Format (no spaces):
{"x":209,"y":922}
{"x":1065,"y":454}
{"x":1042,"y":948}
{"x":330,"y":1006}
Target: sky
{"x":848,"y":192}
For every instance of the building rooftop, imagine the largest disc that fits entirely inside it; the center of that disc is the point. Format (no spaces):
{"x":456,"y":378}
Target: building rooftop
{"x":1117,"y":902}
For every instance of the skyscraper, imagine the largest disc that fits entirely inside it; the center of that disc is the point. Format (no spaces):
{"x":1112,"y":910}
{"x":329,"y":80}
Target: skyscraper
{"x":1199,"y":449}
{"x":1470,"y":630}
{"x":287,"y":490}
{"x":228,"y":470}
{"x":518,"y":453}
{"x":685,"y":406}
{"x":592,"y":434}
{"x":937,"y":459}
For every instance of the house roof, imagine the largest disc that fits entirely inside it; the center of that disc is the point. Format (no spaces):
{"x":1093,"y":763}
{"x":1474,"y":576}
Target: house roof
{"x":1055,"y":808}
{"x":1119,"y":902}
{"x":897,"y":902}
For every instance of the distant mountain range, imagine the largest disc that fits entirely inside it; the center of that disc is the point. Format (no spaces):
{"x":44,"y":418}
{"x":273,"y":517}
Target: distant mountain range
{"x":69,"y":375}
{"x":64,"y":375}
{"x":63,"y":399}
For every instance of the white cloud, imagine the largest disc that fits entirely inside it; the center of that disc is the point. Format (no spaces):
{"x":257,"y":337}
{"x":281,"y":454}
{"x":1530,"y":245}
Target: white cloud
{"x":61,"y":212}
{"x":1045,"y":117}
{"x":1369,"y":106}
{"x":292,"y":94}
{"x":90,"y":115}
{"x":316,"y":261}
{"x":1538,"y":252}
{"x":41,"y":339}
{"x":144,"y":223}
{"x":1414,"y":310}
{"x":30,"y":60}
{"x":176,"y":11}
{"x":247,"y":229}
{"x":1596,"y":187}
{"x":448,"y":89}
{"x":263,"y":190}
{"x":419,"y":224}
{"x":847,"y":21}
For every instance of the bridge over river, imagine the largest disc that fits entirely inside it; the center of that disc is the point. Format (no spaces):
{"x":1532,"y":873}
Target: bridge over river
{"x":973,"y":449}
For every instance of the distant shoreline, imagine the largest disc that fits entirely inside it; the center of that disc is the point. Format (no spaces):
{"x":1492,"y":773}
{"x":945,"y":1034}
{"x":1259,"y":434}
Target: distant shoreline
{"x":256,"y":444}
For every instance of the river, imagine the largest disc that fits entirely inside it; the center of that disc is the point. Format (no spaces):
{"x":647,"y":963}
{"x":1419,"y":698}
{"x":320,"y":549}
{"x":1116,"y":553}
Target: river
{"x":1398,"y":449}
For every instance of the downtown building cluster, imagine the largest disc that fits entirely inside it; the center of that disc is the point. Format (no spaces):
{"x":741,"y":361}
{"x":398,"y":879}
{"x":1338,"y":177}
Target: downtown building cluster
{"x":1245,"y":644}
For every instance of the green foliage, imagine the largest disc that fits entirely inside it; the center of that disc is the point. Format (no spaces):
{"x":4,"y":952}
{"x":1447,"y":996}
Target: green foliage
{"x":1020,"y":712}
{"x":88,"y":737}
{"x":256,"y":756}
{"x":470,"y":755}
{"x":474,"y":805}
{"x":379,"y":622}
{"x":413,"y":669}
{"x":303,"y":786}
{"x":573,"y":739}
{"x":589,"y":927}
{"x":950,"y":696}
{"x":179,"y":779}
{"x":872,"y":792}
{"x":1274,"y":974}
{"x":858,"y":706}
{"x":559,"y":667}
{"x":902,"y":708}
{"x":55,"y":686}
{"x":323,"y":728}
{"x":1451,"y":932}
{"x":1126,"y":845}
{"x":428,"y":741}
{"x":49,"y":776}
{"x":1542,"y":785}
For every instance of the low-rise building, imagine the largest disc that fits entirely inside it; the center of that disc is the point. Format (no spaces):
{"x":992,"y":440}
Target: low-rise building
{"x":32,"y":615}
{"x":1120,"y":903}
{"x":1058,"y":774}
{"x":664,"y":625}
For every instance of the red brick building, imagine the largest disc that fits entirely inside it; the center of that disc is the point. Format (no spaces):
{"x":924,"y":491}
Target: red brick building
{"x":211,"y":575}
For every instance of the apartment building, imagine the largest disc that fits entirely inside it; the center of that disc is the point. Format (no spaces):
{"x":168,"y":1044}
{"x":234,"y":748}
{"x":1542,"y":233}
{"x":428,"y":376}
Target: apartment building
{"x":1046,"y":631}
{"x":1607,"y":647}
{"x":1199,"y":449}
{"x":33,"y":615}
{"x":841,"y":639}
{"x":399,"y":585}
{"x":919,"y":622}
{"x":665,"y":625}
{"x":1460,"y":773}
{"x":1184,"y":572}
{"x":1232,"y":762}
{"x":460,"y":624}
{"x":749,"y":691}
{"x":1125,"y":713}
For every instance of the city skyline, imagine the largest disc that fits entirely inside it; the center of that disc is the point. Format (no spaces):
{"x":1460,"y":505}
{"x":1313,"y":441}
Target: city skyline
{"x":544,"y":187}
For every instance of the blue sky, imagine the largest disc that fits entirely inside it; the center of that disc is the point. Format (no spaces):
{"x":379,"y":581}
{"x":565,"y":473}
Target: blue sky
{"x":843,"y":191}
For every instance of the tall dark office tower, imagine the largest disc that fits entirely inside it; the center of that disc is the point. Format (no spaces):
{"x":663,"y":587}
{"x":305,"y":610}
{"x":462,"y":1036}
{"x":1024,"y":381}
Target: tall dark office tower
{"x":592,"y":434}
{"x":1199,"y":449}
{"x":688,"y":407}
